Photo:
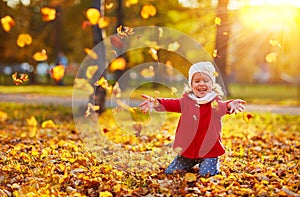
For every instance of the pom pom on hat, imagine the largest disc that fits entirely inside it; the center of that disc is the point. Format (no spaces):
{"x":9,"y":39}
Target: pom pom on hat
{"x":203,"y":67}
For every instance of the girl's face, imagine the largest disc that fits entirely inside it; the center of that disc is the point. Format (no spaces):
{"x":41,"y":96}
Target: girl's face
{"x":201,"y":84}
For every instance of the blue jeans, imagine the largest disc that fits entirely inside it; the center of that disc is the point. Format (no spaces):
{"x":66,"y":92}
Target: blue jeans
{"x":207,"y":166}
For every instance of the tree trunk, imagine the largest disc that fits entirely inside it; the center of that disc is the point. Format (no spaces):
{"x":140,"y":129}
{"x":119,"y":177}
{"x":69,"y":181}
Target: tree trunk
{"x":98,"y":98}
{"x":222,"y":41}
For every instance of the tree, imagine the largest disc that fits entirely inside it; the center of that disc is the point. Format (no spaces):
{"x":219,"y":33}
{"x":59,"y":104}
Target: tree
{"x":100,"y":93}
{"x":222,"y":40}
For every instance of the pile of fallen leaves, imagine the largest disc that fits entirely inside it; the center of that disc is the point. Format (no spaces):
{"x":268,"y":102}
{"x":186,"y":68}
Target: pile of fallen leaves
{"x":42,"y":157}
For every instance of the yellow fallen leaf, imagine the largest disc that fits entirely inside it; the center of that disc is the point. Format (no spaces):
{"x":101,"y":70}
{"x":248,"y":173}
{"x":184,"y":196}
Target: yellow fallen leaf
{"x":49,"y":124}
{"x":190,"y":177}
{"x":106,"y":194}
{"x":31,"y":121}
{"x":3,"y":116}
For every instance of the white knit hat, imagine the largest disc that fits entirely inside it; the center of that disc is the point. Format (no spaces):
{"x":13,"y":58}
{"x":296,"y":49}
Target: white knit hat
{"x":203,"y":67}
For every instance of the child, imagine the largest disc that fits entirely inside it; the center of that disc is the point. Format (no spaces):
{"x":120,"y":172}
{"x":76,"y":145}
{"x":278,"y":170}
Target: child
{"x":198,"y":133}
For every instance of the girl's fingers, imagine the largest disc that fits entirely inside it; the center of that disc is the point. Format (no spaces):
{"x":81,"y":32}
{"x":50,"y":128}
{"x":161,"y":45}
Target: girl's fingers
{"x":143,"y":104}
{"x":145,"y":96}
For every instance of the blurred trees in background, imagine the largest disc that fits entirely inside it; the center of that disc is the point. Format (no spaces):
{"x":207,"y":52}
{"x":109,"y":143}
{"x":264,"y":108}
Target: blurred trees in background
{"x":253,"y":46}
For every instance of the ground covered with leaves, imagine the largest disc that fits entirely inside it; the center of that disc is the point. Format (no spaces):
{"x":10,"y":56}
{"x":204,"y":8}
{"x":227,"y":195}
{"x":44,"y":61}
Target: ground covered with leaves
{"x":42,"y":154}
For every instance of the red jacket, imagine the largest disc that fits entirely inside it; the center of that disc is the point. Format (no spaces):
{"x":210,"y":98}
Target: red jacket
{"x":198,"y":134}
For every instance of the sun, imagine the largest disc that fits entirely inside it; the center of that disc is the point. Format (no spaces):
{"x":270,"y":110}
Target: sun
{"x":295,"y":3}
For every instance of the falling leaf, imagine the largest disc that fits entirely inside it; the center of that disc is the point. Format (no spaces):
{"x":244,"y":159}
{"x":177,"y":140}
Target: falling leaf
{"x":215,"y":53}
{"x":148,"y":72}
{"x":40,"y":56}
{"x":128,"y":3}
{"x":160,"y":32}
{"x":23,"y":40}
{"x":7,"y":23}
{"x":32,"y":121}
{"x":147,"y":11}
{"x":153,"y":53}
{"x":58,"y":72}
{"x":275,"y":43}
{"x":90,"y":71}
{"x":93,"y":15}
{"x":124,"y":31}
{"x":116,"y":91}
{"x":114,"y":53}
{"x":190,"y":177}
{"x":215,"y":74}
{"x":91,"y":108}
{"x":109,"y":5}
{"x":173,"y":46}
{"x":104,"y":84}
{"x":83,"y":84}
{"x":173,"y":91}
{"x":48,"y":14}
{"x":91,"y":53}
{"x":247,"y":116}
{"x":125,"y":106}
{"x":49,"y":124}
{"x":118,"y":64}
{"x":85,"y":24}
{"x":3,"y":117}
{"x":218,"y":21}
{"x":21,"y":79}
{"x":215,"y":105}
{"x":271,"y":57}
{"x":103,"y":22}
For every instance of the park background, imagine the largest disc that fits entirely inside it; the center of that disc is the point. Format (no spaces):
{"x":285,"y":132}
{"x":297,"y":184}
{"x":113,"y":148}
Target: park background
{"x":255,"y":45}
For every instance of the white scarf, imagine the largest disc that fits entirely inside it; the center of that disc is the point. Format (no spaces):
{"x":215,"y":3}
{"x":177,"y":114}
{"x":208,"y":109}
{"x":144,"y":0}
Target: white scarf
{"x":207,"y":98}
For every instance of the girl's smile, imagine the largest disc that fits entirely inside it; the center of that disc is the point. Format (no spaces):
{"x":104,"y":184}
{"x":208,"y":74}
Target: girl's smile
{"x":201,"y":84}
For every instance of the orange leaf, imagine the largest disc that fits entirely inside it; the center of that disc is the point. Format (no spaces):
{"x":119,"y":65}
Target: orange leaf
{"x":24,"y":39}
{"x":40,"y":56}
{"x":118,"y":64}
{"x":247,"y":117}
{"x":103,"y":22}
{"x":21,"y":79}
{"x":85,"y":24}
{"x":124,"y":31}
{"x":91,"y":53}
{"x":147,"y":11}
{"x":7,"y":23}
{"x":58,"y":72}
{"x":93,"y":15}
{"x":48,"y":14}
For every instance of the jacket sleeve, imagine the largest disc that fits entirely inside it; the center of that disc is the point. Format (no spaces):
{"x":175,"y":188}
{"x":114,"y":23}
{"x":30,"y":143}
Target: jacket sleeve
{"x":222,"y":107}
{"x":169,"y":104}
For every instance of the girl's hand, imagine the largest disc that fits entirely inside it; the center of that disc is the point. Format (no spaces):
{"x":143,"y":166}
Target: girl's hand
{"x":148,"y":104}
{"x":236,"y":106}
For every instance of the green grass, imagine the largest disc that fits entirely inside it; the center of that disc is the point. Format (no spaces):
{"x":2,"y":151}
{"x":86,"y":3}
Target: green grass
{"x":267,"y":94}
{"x":38,"y":90}
{"x":258,"y":94}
